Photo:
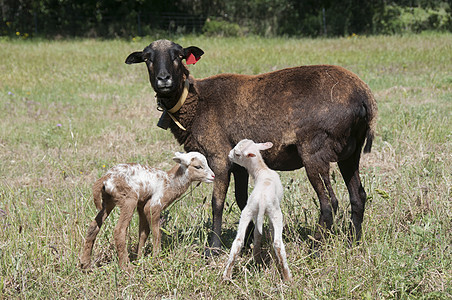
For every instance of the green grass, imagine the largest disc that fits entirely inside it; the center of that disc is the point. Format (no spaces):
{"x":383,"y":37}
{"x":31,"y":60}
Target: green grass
{"x":108,"y":115}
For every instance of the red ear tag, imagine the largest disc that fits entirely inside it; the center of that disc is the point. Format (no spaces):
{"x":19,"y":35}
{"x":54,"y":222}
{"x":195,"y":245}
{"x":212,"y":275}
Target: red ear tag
{"x":191,"y":60}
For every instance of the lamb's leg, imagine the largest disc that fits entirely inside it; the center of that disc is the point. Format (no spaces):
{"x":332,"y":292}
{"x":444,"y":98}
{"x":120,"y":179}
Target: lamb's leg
{"x":350,"y":172}
{"x":93,"y":230}
{"x":241,"y":178}
{"x":276,"y":221}
{"x":143,"y":228}
{"x":154,"y":219}
{"x":127,"y":207}
{"x":237,"y":245}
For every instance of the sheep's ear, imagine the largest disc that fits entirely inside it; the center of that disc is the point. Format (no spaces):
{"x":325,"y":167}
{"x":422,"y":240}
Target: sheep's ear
{"x":135,"y":57}
{"x":180,"y":159}
{"x":192,"y":54}
{"x":265,"y":146}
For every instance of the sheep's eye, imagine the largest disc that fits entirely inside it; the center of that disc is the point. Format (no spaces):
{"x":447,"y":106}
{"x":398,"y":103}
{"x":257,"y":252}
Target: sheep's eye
{"x":198,"y":167}
{"x":176,"y":57}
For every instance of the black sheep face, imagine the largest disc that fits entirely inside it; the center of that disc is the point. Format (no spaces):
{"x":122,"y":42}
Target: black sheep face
{"x":163,"y":59}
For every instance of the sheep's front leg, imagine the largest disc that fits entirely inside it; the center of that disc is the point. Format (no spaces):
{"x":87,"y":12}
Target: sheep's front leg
{"x":143,"y":227}
{"x":93,"y":230}
{"x":219,"y":194}
{"x":237,"y":245}
{"x":127,"y":207}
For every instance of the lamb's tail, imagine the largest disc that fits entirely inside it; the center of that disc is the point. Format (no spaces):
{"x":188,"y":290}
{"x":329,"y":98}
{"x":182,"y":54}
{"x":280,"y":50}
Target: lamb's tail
{"x":260,"y":220}
{"x":98,"y":188}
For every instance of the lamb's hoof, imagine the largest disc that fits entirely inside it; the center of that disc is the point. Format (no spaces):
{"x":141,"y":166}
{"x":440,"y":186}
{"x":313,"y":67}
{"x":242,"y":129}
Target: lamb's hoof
{"x":86,"y":267}
{"x":287,"y":277}
{"x":227,"y":274}
{"x":127,"y":267}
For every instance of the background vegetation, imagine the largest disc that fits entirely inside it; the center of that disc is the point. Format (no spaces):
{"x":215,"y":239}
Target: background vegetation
{"x":112,"y":18}
{"x":71,"y":109}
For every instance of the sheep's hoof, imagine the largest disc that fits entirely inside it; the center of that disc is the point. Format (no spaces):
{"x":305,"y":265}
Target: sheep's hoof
{"x":227,"y":274}
{"x":287,"y":277}
{"x":127,"y":268}
{"x":209,"y":252}
{"x":86,"y":267}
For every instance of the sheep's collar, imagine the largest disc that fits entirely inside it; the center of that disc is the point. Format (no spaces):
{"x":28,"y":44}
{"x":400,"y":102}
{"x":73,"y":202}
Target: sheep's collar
{"x":182,"y":98}
{"x":175,"y":108}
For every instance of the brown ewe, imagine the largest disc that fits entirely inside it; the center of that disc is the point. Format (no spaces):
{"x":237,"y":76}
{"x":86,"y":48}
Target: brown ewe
{"x":150,"y":190}
{"x":314,"y":115}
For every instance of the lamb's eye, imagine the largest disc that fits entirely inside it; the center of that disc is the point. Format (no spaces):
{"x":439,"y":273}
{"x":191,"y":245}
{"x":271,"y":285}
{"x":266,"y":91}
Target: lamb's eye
{"x":198,"y":167}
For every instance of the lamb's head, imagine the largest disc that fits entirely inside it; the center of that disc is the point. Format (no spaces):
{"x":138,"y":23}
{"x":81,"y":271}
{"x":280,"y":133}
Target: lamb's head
{"x":195,"y":166}
{"x":246,"y":150}
{"x":166,"y":69}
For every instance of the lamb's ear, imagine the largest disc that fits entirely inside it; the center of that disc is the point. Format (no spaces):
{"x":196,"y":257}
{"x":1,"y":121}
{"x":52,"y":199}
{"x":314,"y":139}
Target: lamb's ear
{"x":192,"y":54}
{"x":180,"y":158}
{"x":265,"y":146}
{"x":134,"y":58}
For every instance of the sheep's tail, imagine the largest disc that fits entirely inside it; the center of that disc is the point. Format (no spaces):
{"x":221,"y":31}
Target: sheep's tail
{"x":98,"y":188}
{"x":372,"y":112}
{"x":260,"y":220}
{"x":369,"y":139}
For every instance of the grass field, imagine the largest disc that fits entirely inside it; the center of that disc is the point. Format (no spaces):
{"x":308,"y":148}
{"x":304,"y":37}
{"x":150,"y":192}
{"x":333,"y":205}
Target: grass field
{"x":71,"y":109}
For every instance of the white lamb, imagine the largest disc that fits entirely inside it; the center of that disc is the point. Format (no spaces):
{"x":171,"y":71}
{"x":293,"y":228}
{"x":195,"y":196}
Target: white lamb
{"x":150,"y":191}
{"x":265,"y":199}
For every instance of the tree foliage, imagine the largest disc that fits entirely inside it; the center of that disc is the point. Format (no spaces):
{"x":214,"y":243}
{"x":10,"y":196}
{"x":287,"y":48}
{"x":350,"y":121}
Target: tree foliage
{"x":110,"y":18}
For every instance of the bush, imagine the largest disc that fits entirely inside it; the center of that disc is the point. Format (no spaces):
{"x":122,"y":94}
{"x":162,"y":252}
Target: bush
{"x":213,"y":27}
{"x":397,"y":19}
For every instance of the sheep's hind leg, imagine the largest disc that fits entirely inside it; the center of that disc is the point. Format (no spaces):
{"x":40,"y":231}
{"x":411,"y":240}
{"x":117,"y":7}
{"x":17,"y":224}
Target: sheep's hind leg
{"x":328,"y":201}
{"x":127,"y":208}
{"x":154,"y":213}
{"x":143,"y":228}
{"x":276,"y":223}
{"x":318,"y":172}
{"x":237,"y":245}
{"x":93,"y":230}
{"x":350,"y":172}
